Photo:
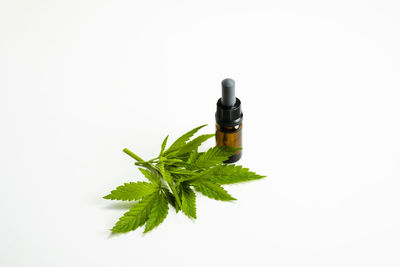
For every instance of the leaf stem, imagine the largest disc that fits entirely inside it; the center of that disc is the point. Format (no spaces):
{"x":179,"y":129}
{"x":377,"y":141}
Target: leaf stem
{"x":133,"y":155}
{"x":141,"y":161}
{"x":146,"y":164}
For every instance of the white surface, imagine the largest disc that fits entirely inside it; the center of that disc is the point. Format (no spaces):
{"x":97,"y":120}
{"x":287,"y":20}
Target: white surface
{"x":319,"y":82}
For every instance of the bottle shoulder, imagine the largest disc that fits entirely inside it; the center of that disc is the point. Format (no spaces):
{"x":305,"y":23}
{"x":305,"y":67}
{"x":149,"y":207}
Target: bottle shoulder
{"x":229,"y":129}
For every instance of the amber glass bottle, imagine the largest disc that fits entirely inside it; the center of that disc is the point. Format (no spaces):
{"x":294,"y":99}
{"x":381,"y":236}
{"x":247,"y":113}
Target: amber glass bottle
{"x":229,"y":118}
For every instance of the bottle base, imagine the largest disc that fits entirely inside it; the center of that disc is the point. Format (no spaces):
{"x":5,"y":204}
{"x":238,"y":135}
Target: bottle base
{"x":234,"y":158}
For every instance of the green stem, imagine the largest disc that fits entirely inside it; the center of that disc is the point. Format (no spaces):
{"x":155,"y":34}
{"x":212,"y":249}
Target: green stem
{"x":170,"y":184}
{"x":133,"y":155}
{"x":155,"y":170}
{"x":141,"y":161}
{"x":154,"y":159}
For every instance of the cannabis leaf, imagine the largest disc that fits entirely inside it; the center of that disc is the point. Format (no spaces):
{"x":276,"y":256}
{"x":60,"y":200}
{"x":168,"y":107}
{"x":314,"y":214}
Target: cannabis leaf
{"x":231,"y":174}
{"x":151,"y":176}
{"x":190,"y":146}
{"x":171,"y":199}
{"x":188,"y":201}
{"x":213,"y":156}
{"x":212,"y":190}
{"x":132,"y":191}
{"x":163,"y":145}
{"x":136,"y":216}
{"x":158,"y":212}
{"x":173,"y":177}
{"x":181,"y":141}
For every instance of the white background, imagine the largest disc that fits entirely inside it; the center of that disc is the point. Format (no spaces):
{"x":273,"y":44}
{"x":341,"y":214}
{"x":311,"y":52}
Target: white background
{"x":319,"y":82}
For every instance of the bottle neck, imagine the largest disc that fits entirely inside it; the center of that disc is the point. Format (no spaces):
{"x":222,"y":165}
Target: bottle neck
{"x":227,"y":116}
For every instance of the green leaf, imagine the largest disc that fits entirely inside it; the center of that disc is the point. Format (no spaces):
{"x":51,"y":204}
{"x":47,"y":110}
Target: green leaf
{"x":212,"y":190}
{"x":183,"y":139}
{"x":173,"y":161}
{"x":151,"y":176}
{"x":193,"y":157}
{"x":214,"y":156}
{"x":136,"y":216}
{"x":158,"y":213}
{"x":184,"y":169}
{"x":192,"y":145}
{"x":164,"y":143}
{"x":166,"y":175}
{"x":132,"y":191}
{"x":188,"y":201}
{"x":171,"y":199}
{"x":168,"y":178}
{"x":231,"y":174}
{"x":181,"y":171}
{"x":198,"y":176}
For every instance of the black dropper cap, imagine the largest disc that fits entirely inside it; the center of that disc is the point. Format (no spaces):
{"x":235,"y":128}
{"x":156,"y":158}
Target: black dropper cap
{"x":229,"y":112}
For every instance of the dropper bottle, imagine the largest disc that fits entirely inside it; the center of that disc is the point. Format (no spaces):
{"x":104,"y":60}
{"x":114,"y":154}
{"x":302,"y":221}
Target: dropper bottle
{"x":228,"y":119}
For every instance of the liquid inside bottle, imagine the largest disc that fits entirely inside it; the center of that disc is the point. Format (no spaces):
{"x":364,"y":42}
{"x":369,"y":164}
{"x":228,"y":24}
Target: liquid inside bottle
{"x":230,"y":136}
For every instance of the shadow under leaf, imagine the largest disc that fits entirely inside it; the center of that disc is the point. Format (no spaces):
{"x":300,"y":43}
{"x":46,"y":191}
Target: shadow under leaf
{"x":121,"y":205}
